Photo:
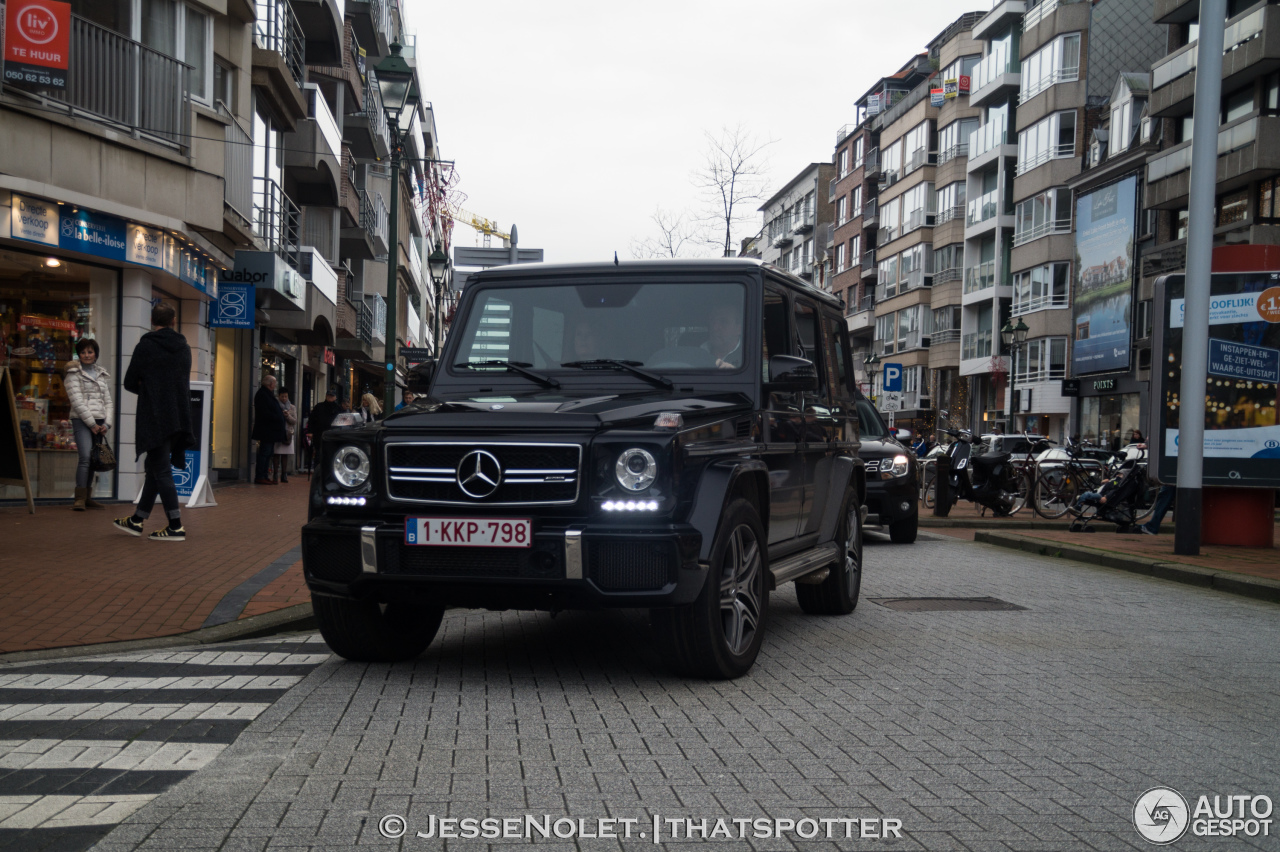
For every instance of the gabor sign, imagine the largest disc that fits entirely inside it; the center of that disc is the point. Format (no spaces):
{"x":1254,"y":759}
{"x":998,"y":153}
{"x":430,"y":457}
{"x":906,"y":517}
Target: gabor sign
{"x":37,"y":43}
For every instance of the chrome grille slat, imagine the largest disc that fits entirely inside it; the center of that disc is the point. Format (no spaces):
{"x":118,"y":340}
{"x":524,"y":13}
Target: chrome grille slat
{"x":415,"y":473}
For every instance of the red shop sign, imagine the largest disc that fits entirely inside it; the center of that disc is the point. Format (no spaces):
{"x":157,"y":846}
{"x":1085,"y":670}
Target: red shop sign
{"x":46,"y":322}
{"x":329,"y":357}
{"x":37,"y":43}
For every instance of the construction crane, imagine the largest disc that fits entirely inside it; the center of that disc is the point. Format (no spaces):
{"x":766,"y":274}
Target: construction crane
{"x":480,"y":224}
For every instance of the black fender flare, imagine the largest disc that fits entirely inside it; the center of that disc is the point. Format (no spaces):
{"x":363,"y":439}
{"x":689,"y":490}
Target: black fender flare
{"x":845,"y":470}
{"x":718,"y":483}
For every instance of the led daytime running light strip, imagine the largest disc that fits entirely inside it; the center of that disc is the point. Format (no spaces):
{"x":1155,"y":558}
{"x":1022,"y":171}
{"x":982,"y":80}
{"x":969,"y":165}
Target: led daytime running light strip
{"x":630,"y":506}
{"x":346,"y":501}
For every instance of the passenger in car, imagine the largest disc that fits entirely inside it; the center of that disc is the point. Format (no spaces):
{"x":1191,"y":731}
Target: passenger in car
{"x":725,"y":340}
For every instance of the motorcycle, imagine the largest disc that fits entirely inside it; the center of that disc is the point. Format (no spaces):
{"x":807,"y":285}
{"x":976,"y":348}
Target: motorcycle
{"x":989,"y":480}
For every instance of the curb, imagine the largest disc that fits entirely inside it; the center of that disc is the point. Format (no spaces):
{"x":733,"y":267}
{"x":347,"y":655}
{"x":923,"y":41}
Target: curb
{"x":1231,"y":582}
{"x":988,"y":523}
{"x":288,"y":620}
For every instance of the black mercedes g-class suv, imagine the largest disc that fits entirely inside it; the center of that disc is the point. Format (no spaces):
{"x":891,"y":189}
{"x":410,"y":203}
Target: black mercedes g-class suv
{"x":676,"y":435}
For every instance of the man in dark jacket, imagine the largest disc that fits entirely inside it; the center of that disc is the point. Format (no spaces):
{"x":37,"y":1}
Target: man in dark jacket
{"x":322,"y":416}
{"x":160,"y":374}
{"x":269,"y":428}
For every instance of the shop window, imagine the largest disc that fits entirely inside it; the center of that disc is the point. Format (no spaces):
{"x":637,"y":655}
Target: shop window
{"x":46,"y":306}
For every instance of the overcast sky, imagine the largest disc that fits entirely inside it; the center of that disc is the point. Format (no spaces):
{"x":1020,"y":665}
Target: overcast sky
{"x":574,"y":120}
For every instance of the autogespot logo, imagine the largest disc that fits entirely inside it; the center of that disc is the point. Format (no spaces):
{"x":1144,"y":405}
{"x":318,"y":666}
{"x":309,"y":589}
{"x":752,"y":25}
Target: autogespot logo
{"x":1161,"y":815}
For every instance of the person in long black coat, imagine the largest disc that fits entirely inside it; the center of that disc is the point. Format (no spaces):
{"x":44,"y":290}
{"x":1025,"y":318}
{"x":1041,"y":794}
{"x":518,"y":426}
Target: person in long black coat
{"x":269,"y":428}
{"x":160,"y":374}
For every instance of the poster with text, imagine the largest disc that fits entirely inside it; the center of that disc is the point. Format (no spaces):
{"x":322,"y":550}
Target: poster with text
{"x":1103,"y":277}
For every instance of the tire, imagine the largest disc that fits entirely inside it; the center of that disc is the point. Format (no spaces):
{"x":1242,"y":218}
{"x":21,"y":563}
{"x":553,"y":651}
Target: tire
{"x":903,"y":530}
{"x":1055,"y":494}
{"x":369,"y":632}
{"x":1146,"y":503}
{"x":719,"y":635}
{"x":838,"y":594}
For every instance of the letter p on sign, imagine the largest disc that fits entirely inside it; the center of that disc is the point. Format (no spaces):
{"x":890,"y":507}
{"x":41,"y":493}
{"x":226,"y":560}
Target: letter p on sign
{"x":892,"y":378}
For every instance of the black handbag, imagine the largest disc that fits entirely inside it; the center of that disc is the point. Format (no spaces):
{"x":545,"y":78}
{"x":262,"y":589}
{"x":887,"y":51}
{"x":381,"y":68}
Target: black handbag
{"x":101,"y":458}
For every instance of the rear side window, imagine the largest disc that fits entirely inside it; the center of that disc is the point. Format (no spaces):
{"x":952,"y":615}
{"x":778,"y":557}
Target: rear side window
{"x":837,"y":353}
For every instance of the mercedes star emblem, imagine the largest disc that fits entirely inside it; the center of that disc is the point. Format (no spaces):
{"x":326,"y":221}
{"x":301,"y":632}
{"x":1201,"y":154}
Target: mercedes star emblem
{"x":479,"y":474}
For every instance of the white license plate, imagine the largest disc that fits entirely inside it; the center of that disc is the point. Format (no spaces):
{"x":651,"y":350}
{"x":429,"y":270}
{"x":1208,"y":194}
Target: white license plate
{"x":469,"y":532}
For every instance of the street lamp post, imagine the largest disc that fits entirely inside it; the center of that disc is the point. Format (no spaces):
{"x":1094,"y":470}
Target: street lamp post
{"x":1014,"y":337}
{"x":437,"y":265}
{"x":399,"y":94}
{"x":872,"y":365}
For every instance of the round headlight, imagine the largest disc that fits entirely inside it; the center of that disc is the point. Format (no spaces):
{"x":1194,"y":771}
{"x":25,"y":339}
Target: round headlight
{"x":636,"y":469}
{"x":351,"y":466}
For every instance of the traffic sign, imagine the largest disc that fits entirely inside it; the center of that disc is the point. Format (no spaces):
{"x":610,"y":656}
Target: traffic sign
{"x":892,"y":401}
{"x":893,"y":377}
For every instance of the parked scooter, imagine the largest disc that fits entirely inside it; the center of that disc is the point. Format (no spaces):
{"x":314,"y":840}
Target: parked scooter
{"x":989,"y":480}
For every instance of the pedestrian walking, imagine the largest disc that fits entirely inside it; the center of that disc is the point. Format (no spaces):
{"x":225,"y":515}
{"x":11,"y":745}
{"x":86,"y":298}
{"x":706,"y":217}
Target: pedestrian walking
{"x":1164,"y":502}
{"x":370,"y":408}
{"x":284,"y":451}
{"x":322,"y":417}
{"x":408,"y":399}
{"x":160,"y":374}
{"x":269,"y":429}
{"x":92,"y":410}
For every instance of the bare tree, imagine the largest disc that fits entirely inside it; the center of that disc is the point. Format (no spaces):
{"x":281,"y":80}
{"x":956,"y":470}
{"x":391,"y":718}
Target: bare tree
{"x":677,"y":237}
{"x":732,"y":180}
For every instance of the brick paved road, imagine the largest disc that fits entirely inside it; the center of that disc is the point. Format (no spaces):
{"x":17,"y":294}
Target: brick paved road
{"x":1026,"y":730}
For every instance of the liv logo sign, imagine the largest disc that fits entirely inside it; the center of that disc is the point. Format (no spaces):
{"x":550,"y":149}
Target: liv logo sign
{"x":37,"y":43}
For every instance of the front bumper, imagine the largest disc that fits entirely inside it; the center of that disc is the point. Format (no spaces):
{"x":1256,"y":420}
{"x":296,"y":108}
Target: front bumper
{"x":890,"y":500}
{"x":574,"y":566}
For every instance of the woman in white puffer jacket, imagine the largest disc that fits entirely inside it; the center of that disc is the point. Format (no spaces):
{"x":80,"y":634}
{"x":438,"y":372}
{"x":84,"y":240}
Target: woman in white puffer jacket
{"x":89,"y":389}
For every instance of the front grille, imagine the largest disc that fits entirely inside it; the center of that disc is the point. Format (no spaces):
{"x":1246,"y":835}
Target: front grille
{"x":873,"y":465}
{"x":332,"y":557}
{"x":532,"y":474}
{"x":542,"y":561}
{"x":631,"y":566}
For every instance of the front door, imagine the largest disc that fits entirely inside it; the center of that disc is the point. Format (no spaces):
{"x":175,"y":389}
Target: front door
{"x":814,"y":448}
{"x":784,"y":422}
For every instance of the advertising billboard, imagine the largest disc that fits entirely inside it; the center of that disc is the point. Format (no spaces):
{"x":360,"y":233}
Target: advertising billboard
{"x":1102,"y":303}
{"x":1242,"y":436}
{"x":37,"y":43}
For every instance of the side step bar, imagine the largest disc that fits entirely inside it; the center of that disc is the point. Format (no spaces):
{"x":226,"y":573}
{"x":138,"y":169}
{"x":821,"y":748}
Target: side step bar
{"x":805,"y":562}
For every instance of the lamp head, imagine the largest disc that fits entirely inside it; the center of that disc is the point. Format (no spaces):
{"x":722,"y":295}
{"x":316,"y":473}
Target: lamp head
{"x":396,"y":84}
{"x":1020,"y":332}
{"x":1006,"y":333}
{"x":437,"y":262}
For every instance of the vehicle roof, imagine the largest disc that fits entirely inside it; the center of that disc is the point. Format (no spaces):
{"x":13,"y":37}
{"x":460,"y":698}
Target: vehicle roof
{"x":644,"y":267}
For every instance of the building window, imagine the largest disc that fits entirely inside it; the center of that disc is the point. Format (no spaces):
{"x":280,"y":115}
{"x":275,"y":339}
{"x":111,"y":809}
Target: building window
{"x":1050,"y":138}
{"x":224,"y":84}
{"x":918,"y":207}
{"x":1238,"y":104}
{"x":842,"y":204}
{"x":950,"y":202}
{"x":1233,"y":208}
{"x":1041,"y":287}
{"x":977,"y":343}
{"x":891,"y":162}
{"x":1044,"y":213}
{"x":919,"y":145}
{"x":1044,"y":359}
{"x":953,"y":140}
{"x":840,"y":257}
{"x":182,"y":32}
{"x":1143,"y":323}
{"x":855,"y":202}
{"x":889,"y":221}
{"x":885,"y":333}
{"x":915,"y":267}
{"x":887,"y":275}
{"x":909,"y":328}
{"x":1268,"y":203}
{"x":948,"y":262}
{"x":844,"y":162}
{"x":962,"y":67}
{"x":944,"y":325}
{"x":855,"y":250}
{"x":1056,"y":62}
{"x":857,"y":152}
{"x":1121,"y":130}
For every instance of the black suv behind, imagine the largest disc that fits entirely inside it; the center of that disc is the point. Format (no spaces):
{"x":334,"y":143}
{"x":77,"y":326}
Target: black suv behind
{"x":677,"y":435}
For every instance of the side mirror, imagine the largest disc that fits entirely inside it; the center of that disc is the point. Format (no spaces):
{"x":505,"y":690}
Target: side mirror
{"x":420,"y":375}
{"x":788,"y":373}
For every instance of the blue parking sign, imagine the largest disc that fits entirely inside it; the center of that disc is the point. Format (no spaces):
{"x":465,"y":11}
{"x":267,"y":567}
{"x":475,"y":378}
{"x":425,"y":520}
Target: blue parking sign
{"x":892,"y":378}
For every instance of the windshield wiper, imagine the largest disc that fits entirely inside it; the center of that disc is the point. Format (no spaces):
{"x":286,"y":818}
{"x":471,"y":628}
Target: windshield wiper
{"x":631,"y":367}
{"x":512,"y":367}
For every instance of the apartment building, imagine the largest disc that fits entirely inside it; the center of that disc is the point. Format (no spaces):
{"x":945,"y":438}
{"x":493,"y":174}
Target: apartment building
{"x":201,"y":155}
{"x":796,"y":220}
{"x":852,"y":194}
{"x":909,"y":238}
{"x":1248,"y":154}
{"x":1048,"y":69}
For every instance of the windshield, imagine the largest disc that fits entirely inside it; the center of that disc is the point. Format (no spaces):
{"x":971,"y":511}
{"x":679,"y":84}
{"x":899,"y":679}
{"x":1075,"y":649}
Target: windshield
{"x":665,"y":327}
{"x":869,"y":423}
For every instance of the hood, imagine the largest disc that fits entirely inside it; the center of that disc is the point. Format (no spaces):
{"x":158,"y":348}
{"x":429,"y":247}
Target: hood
{"x":549,"y":409}
{"x":167,"y":339}
{"x":879,"y":448}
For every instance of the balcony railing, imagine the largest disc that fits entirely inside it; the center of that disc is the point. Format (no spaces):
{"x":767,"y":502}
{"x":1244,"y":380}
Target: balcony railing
{"x":1031,"y":304}
{"x":373,"y":215}
{"x":1044,"y":229}
{"x":277,"y":29}
{"x":871,"y":164}
{"x":920,"y":157}
{"x":946,"y":214}
{"x":1042,"y":10}
{"x":1172,"y":67}
{"x":988,"y":136}
{"x":989,"y":69}
{"x":276,"y":220}
{"x":870,"y":211}
{"x":977,"y":344}
{"x":364,"y":322}
{"x":1053,"y":152}
{"x":237,"y":167}
{"x":843,"y":132}
{"x":1062,"y":75}
{"x":980,"y":277}
{"x":984,"y":207}
{"x":960,"y":150}
{"x":119,"y":81}
{"x":945,"y":335}
{"x":946,"y":276}
{"x":318,"y":110}
{"x":373,"y":110}
{"x":1179,"y":159}
{"x":868,"y":260}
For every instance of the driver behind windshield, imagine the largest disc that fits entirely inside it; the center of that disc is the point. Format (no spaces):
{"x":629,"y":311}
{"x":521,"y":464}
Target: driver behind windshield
{"x":586,"y":342}
{"x":725,"y":339}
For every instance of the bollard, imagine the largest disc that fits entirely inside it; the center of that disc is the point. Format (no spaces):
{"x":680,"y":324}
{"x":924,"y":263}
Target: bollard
{"x":942,"y":496}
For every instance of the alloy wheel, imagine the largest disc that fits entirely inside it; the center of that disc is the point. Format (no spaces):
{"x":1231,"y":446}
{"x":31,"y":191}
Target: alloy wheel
{"x":741,"y":589}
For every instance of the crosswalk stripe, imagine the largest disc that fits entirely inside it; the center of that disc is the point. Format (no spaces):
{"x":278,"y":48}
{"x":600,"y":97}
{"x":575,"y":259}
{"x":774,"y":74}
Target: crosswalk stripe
{"x":138,"y":755}
{"x":84,"y":681}
{"x":68,"y":811}
{"x":126,"y":710}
